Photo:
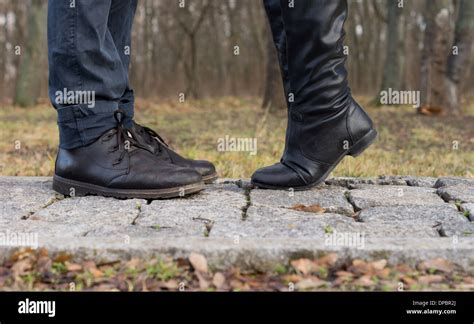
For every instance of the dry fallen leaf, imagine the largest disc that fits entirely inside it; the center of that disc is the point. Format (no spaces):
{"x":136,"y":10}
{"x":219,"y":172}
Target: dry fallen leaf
{"x":219,"y":280}
{"x":292,"y":278}
{"x":343,"y":277}
{"x":21,"y":267}
{"x":87,"y":265}
{"x":365,"y":281}
{"x":203,"y":283}
{"x":384,"y":274}
{"x":62,"y":257}
{"x":43,"y":252}
{"x":344,"y":274}
{"x":44,"y":264}
{"x":73,"y":267}
{"x":408,"y":280}
{"x":170,"y":284}
{"x":105,"y":287}
{"x":437,"y":264}
{"x":360,"y":267}
{"x":96,"y":273}
{"x":430,"y":110}
{"x":402,"y":268}
{"x":199,"y":262}
{"x":310,"y":283}
{"x":236,"y":284}
{"x":328,"y":260}
{"x":429,"y":279}
{"x":317,"y":209}
{"x":133,"y":263}
{"x":303,"y":266}
{"x":469,"y":280}
{"x":21,"y":254}
{"x":379,"y":265}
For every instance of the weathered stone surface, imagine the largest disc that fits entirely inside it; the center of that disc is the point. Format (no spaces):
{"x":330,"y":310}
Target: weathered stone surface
{"x":195,"y":216}
{"x":91,"y":211}
{"x":350,"y":181}
{"x":428,"y":182}
{"x":453,"y":181}
{"x":441,"y":220}
{"x":393,"y":180}
{"x":126,"y":233}
{"x":371,"y":196}
{"x":462,"y":193}
{"x":276,"y":222}
{"x":43,"y":230}
{"x":331,"y":199}
{"x":20,"y":196}
{"x":233,"y":224}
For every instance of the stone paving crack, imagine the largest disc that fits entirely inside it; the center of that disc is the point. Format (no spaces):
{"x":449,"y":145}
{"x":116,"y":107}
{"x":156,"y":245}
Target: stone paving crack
{"x":348,"y":196}
{"x":439,"y":228}
{"x":446,"y":198}
{"x":50,"y":202}
{"x":247,"y":187}
{"x":138,"y":207}
{"x":248,"y":199}
{"x":208,"y":224}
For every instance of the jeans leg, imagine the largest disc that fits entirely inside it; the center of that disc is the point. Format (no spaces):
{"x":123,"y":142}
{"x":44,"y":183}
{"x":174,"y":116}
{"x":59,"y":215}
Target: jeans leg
{"x":120,"y":24}
{"x":83,"y":61}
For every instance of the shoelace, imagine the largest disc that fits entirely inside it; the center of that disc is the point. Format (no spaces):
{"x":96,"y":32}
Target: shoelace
{"x":150,"y":135}
{"x":124,"y":140}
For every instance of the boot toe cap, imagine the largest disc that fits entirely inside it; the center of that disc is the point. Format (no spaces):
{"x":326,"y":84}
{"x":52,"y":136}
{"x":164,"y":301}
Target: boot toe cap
{"x":277,"y":176}
{"x":205,"y":168}
{"x":183,"y":177}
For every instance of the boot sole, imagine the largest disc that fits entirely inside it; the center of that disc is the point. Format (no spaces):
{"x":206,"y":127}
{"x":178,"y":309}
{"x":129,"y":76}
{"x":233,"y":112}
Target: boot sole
{"x":211,"y":178}
{"x":64,"y":186}
{"x":356,"y":150}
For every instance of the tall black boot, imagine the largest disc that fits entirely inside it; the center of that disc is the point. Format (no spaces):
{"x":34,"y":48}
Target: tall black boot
{"x":275,"y":19}
{"x":325,"y":123}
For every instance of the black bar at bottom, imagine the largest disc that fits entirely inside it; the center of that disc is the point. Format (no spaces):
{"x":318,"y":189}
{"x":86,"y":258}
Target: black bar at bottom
{"x":432,"y":306}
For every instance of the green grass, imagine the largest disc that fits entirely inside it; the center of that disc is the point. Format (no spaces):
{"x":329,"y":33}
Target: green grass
{"x":409,"y":144}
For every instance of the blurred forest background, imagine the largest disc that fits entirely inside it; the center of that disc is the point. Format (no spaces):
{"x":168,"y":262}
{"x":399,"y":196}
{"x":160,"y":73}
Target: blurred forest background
{"x":406,"y":45}
{"x":192,"y":49}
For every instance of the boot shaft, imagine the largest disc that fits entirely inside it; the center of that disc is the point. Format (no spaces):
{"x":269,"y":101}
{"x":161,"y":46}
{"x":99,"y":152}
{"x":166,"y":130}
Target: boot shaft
{"x":314,"y":34}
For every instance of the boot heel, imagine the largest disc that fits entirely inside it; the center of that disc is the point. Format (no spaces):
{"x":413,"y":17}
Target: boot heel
{"x":359,"y":147}
{"x":67,"y":189}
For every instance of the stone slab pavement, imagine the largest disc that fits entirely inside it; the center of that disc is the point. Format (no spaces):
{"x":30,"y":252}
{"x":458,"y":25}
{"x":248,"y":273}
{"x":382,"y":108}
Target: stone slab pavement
{"x":401,"y":219}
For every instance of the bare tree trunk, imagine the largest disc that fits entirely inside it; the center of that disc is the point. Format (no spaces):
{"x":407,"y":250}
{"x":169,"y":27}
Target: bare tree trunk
{"x":391,"y":75}
{"x":28,"y":85}
{"x":458,"y":61}
{"x":433,"y":63}
{"x":191,"y":32}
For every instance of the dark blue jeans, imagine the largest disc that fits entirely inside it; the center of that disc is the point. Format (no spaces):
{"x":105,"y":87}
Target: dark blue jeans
{"x":89,"y":45}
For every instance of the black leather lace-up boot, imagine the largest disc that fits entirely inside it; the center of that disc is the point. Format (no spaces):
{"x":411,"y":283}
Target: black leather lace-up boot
{"x":150,"y":139}
{"x":116,"y":165}
{"x":325,"y":123}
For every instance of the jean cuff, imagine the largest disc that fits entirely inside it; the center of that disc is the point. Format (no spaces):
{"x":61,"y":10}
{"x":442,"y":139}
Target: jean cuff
{"x":80,"y":125}
{"x":127,"y":104}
